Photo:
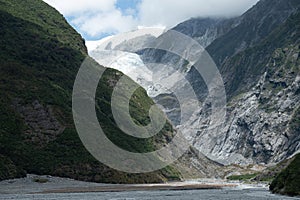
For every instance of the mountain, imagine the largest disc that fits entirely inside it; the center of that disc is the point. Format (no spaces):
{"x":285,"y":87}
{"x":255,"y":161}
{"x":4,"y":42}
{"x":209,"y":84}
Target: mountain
{"x":40,"y":57}
{"x":257,"y":56}
{"x":205,"y":30}
{"x":287,"y":182}
{"x":262,"y":84}
{"x":113,"y":52}
{"x":110,"y":52}
{"x":252,"y":28}
{"x":145,"y":35}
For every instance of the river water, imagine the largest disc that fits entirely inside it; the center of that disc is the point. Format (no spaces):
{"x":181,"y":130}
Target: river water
{"x":230,"y":194}
{"x":27,"y":189}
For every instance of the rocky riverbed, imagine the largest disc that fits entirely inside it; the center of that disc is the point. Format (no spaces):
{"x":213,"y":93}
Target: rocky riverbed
{"x":48,"y":187}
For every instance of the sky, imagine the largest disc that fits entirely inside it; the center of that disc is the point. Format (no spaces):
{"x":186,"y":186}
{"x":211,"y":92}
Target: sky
{"x":96,"y":19}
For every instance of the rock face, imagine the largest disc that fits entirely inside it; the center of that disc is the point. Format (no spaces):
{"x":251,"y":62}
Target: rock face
{"x":260,"y":68}
{"x":258,"y":57}
{"x":262,"y":83}
{"x":252,"y":28}
{"x":192,"y":164}
{"x":258,"y":126}
{"x":205,"y":30}
{"x":43,"y":127}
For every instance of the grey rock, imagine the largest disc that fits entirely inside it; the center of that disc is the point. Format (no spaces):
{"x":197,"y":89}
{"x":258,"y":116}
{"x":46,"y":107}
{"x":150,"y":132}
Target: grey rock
{"x":42,"y":124}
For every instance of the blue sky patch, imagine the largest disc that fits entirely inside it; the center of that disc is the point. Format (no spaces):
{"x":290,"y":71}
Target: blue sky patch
{"x":127,"y":4}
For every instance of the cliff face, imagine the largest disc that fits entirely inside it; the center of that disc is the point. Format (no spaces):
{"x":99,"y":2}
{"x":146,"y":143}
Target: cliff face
{"x":205,"y":30}
{"x":193,"y":164}
{"x":40,"y":56}
{"x":262,"y":84}
{"x":252,"y":28}
{"x":261,"y":122}
{"x":258,"y":57}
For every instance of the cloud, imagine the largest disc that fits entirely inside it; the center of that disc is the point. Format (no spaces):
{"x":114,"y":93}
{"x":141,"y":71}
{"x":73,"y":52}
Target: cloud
{"x":70,"y":7}
{"x":105,"y":22}
{"x":171,"y":12}
{"x":94,"y":18}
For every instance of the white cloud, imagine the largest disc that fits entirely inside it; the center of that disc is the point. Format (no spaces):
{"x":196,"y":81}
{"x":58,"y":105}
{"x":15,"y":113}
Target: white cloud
{"x":71,"y":7}
{"x":96,"y":17}
{"x":105,"y":22}
{"x":170,"y":12}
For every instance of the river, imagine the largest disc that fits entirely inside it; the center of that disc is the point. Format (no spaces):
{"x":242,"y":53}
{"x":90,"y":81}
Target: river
{"x":230,"y":194}
{"x":27,"y":189}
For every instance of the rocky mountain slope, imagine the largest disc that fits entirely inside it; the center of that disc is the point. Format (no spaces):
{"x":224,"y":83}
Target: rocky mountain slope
{"x":258,"y":60}
{"x":258,"y":57}
{"x":251,"y":29}
{"x":261,"y":83}
{"x":111,"y":53}
{"x":41,"y":55}
{"x":205,"y":30}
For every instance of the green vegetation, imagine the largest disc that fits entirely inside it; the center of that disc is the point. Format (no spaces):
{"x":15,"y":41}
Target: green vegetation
{"x":288,"y":181}
{"x":8,"y":170}
{"x":244,"y":177}
{"x":40,"y":56}
{"x":40,"y":180}
{"x":295,"y":122}
{"x":53,"y":23}
{"x":270,"y":173}
{"x":244,"y":69}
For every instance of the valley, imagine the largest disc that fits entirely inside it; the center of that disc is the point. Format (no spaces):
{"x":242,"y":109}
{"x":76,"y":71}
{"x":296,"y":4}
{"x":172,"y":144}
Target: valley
{"x":226,"y":90}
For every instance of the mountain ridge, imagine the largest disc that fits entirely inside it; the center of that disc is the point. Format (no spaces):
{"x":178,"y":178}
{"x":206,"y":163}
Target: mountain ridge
{"x":250,"y":78}
{"x":40,"y":55}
